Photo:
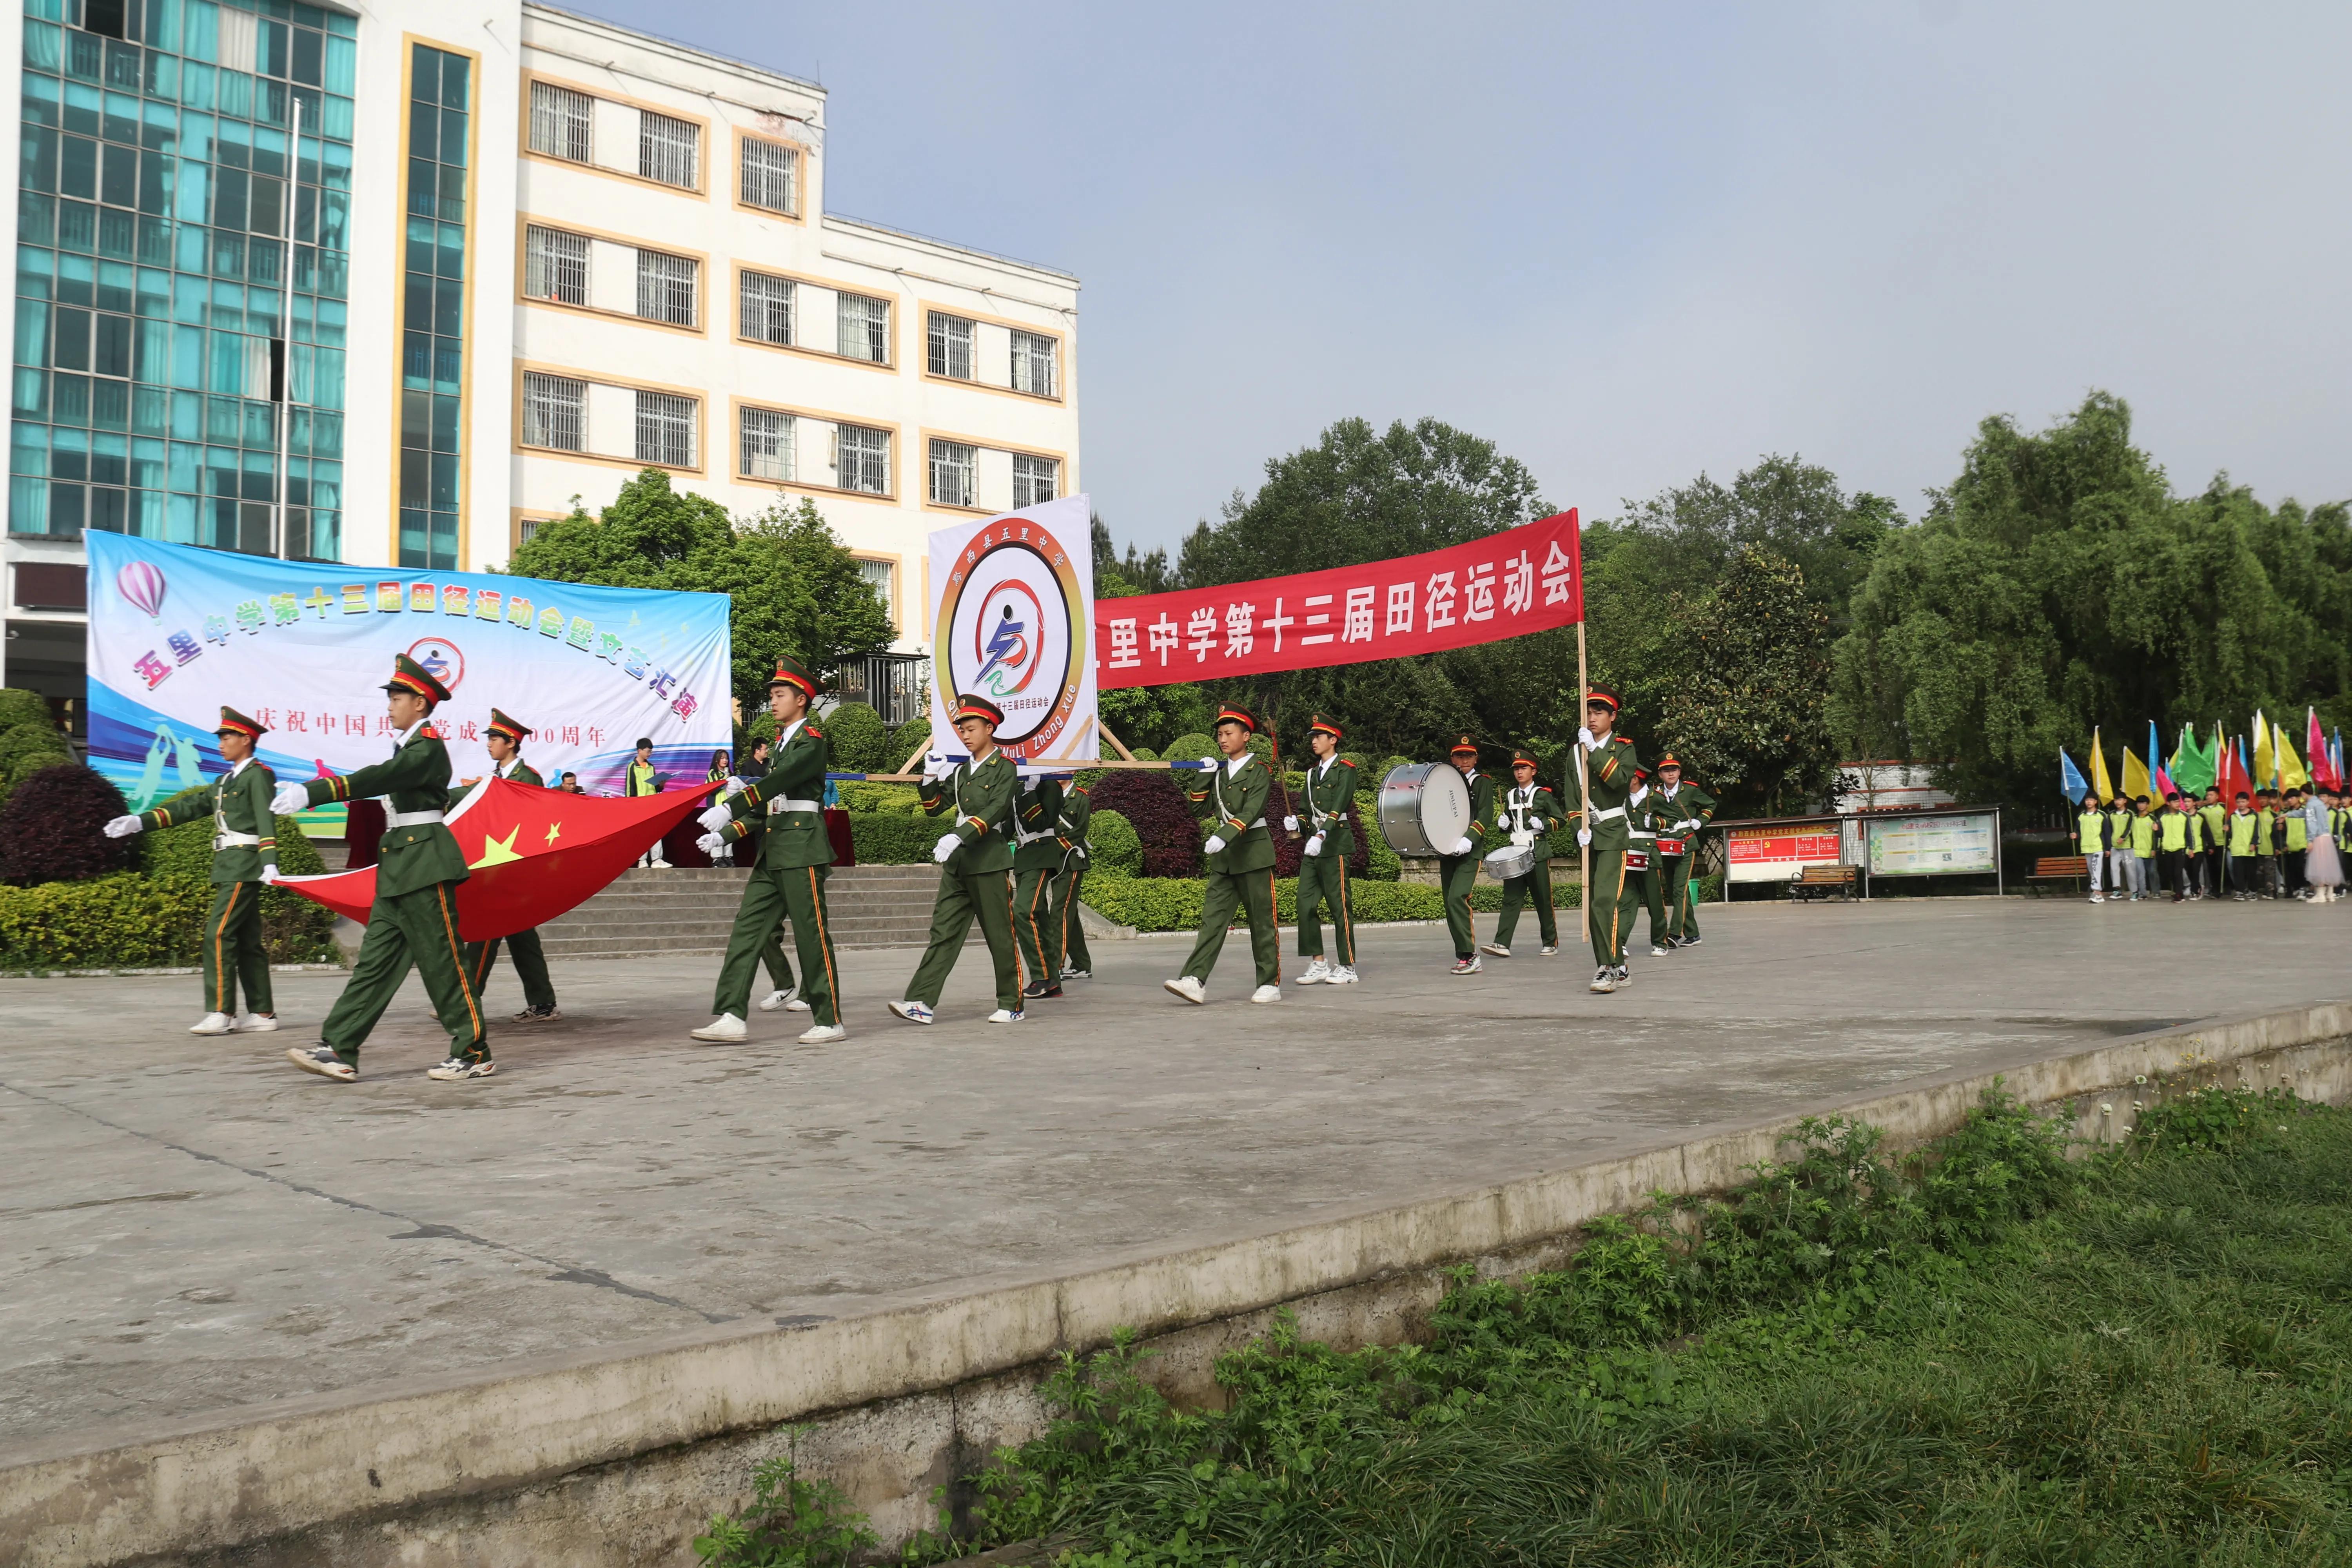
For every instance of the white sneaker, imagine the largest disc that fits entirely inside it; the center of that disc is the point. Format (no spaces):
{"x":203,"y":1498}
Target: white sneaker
{"x":1007,"y":1015}
{"x":1187,"y":987}
{"x":2098,"y":898}
{"x":913,"y":1012}
{"x":1625,"y":977}
{"x":775,"y":999}
{"x":255,"y":1022}
{"x":725,"y":1029}
{"x":212,"y":1023}
{"x":1603,"y":979}
{"x":1658,"y":952}
{"x":1077,"y":974}
{"x":1345,"y":974}
{"x":1497,"y":948}
{"x":321,"y":1060}
{"x":1551,"y":949}
{"x":824,"y":1034}
{"x":661,"y":865}
{"x":1316,"y":973}
{"x":1266,"y":994}
{"x":458,"y":1069}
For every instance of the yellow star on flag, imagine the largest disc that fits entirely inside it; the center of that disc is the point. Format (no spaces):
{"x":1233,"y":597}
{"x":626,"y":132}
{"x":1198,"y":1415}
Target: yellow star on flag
{"x":497,"y":852}
{"x":552,"y":829}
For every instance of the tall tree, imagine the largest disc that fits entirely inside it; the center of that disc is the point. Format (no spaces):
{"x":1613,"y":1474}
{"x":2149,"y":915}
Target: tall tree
{"x":1141,"y":573}
{"x":1746,"y":711}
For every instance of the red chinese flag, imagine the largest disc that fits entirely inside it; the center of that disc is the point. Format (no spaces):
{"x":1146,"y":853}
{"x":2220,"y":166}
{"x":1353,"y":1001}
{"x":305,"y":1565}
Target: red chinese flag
{"x":534,"y":854}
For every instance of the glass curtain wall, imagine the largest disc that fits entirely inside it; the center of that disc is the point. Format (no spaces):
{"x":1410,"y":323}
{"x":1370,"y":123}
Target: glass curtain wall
{"x":152,"y":347}
{"x":433,"y":309}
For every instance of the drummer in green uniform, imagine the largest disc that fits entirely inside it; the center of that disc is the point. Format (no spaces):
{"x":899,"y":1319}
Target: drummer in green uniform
{"x":1038,"y":852}
{"x":1679,"y":811}
{"x":976,"y":856}
{"x":503,"y":739}
{"x":1237,"y":860}
{"x":418,"y":867}
{"x":1329,"y":791}
{"x":1530,"y":815}
{"x":1458,"y":869}
{"x":1642,"y":867}
{"x":1610,"y":762}
{"x":244,"y":856}
{"x":1077,"y":811}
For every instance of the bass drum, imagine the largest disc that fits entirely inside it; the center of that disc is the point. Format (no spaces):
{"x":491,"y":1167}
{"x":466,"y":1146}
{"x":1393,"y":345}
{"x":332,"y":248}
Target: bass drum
{"x":1424,"y":805}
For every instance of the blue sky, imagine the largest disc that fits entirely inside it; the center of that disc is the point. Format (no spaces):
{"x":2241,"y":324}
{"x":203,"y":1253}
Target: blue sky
{"x":1629,"y":243}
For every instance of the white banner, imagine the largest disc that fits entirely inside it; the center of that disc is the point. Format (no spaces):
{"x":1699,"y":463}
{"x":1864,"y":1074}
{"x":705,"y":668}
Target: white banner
{"x":1011,"y":615}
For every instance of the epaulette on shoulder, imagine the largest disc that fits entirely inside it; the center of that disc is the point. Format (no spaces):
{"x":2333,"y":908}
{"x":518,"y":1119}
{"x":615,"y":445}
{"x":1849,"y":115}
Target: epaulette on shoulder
{"x":814,"y":730}
{"x":1081,"y":789}
{"x":429,"y":732}
{"x":1346,"y":763}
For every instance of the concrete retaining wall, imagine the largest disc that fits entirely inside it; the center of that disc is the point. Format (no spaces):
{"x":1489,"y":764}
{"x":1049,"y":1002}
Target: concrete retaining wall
{"x":606,"y":1460}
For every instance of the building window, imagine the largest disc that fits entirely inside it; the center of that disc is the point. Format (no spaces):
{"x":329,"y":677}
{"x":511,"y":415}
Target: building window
{"x":951,"y":346}
{"x":433,"y":309}
{"x":952,"y":466}
{"x":665,"y":149}
{"x":865,"y":327}
{"x":767,"y":441}
{"x":554,"y":412}
{"x":666,"y":288}
{"x":559,"y":121}
{"x":862,"y":459}
{"x":770,"y":174}
{"x":527,"y":528}
{"x":765,"y":307}
{"x":1034,"y":479}
{"x":665,"y":429}
{"x":1032,"y":363}
{"x":882,"y":577}
{"x":555,"y":265}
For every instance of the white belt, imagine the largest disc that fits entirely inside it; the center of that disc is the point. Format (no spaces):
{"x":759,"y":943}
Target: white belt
{"x":411,"y":819}
{"x":778,"y":807}
{"x":236,"y":840}
{"x":1614,"y":811}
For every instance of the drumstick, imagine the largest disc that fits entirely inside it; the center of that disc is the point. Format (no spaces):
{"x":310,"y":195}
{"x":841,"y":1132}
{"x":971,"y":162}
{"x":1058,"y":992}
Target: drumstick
{"x":1583,"y":805}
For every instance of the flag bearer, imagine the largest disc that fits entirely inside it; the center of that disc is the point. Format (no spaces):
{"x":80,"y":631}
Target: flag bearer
{"x":1077,"y":810}
{"x":1458,"y":870}
{"x":1329,"y":791}
{"x":1238,"y":859}
{"x":503,"y":740}
{"x":1530,"y":815}
{"x":1680,"y":811}
{"x":1613,"y":767}
{"x":244,"y":856}
{"x":2214,"y":816}
{"x":2091,"y":829}
{"x":1038,"y":852}
{"x":418,"y":867}
{"x":791,"y":858}
{"x":976,"y":861}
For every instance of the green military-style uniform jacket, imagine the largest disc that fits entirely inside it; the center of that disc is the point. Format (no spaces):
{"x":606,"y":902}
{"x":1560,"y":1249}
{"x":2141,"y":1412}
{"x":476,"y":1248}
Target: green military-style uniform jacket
{"x":1078,"y":812}
{"x":981,"y":795}
{"x":1685,"y":816}
{"x":1611,"y":769}
{"x":1329,"y":791}
{"x":245,"y":833}
{"x":415,"y":780}
{"x":1236,"y":799}
{"x":782,"y":810}
{"x":1534,"y":809}
{"x":1486,"y":830}
{"x":1038,"y":844}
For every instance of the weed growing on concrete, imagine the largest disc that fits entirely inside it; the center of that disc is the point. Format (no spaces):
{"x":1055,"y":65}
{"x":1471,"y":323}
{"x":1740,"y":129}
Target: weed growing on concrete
{"x":790,"y":1523}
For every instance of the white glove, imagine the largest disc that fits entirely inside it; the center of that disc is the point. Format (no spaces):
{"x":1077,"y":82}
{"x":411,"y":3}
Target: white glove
{"x":124,"y":826}
{"x":715,"y":818}
{"x":1314,"y":845}
{"x":269,"y":874}
{"x":1638,"y":796}
{"x":289,"y":799}
{"x":1463,"y":848}
{"x":1583,"y":836}
{"x":946,"y":845}
{"x":1209,"y":762}
{"x":1216,"y":842}
{"x":1290,"y":825}
{"x":735,"y":786}
{"x":710,"y":844}
{"x":936,"y":766}
{"x":1584,"y":738}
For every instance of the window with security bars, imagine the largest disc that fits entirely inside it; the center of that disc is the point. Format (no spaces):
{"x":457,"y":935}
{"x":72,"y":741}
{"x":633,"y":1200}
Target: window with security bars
{"x":555,"y":265}
{"x":559,"y":121}
{"x":1032,"y":363}
{"x":767,"y":444}
{"x":952,"y":466}
{"x":882,"y":577}
{"x":865,"y":327}
{"x":666,"y":288}
{"x":666,"y":429}
{"x":951,"y":346}
{"x":765,"y":307}
{"x":861,"y":459}
{"x":667,"y":148}
{"x":769,"y":175}
{"x":554,"y":412}
{"x":1034,"y":479}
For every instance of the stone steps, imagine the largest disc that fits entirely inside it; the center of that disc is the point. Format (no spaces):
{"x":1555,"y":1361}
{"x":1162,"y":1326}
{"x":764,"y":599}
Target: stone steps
{"x":692,"y":910}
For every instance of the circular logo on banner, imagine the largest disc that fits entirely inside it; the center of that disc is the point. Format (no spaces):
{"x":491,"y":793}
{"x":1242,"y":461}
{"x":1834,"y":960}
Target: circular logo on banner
{"x":441,"y":659}
{"x":1011,"y":630}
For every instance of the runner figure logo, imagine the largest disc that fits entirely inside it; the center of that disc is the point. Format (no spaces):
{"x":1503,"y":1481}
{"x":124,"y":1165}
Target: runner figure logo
{"x":441,"y":659}
{"x":1012,"y":630}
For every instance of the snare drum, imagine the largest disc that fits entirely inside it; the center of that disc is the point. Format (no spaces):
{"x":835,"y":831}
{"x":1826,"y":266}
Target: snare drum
{"x":1637,"y":859}
{"x":1670,"y":846}
{"x":1424,"y":805}
{"x":1511,"y":860}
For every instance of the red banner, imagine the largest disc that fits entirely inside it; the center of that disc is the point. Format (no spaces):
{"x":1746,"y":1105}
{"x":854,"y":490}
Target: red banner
{"x":1522,"y":580}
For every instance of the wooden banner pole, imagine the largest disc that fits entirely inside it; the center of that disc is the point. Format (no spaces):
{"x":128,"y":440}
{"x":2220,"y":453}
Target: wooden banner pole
{"x":1584,"y":804}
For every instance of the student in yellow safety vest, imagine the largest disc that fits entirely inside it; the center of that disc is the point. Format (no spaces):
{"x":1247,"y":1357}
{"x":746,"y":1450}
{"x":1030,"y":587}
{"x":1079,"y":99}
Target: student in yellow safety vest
{"x":2242,"y":871}
{"x":2297,"y":840}
{"x":2091,"y":834}
{"x":2143,"y":846}
{"x":2215,"y":818}
{"x":2119,"y":855}
{"x":2172,"y":835}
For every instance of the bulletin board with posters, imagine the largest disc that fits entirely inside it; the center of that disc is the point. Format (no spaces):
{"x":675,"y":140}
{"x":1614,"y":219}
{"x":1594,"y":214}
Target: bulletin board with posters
{"x":1774,"y":852}
{"x":1944,"y":844}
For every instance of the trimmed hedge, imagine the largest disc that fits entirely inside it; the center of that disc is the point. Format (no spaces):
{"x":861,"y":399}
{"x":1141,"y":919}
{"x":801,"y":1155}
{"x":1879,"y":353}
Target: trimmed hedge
{"x":143,"y":922}
{"x":187,"y":851}
{"x":896,"y":800}
{"x":1173,"y":903}
{"x":1161,"y":817}
{"x":1112,"y":846}
{"x":893,"y":837}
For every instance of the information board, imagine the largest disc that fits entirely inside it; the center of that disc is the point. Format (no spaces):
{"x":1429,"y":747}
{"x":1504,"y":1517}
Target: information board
{"x":1932,"y":846}
{"x":1776,"y":853}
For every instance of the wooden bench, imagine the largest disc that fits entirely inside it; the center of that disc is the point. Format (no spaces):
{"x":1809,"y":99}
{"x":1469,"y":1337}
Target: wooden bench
{"x":1820,"y":881}
{"x":2071,"y":868}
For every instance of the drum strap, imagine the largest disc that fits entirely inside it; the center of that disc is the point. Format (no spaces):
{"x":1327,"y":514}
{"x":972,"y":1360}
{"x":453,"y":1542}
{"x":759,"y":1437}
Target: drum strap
{"x":1611,"y":813}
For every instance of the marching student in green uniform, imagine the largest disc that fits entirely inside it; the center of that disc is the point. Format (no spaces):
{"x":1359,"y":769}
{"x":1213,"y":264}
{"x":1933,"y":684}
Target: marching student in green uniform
{"x":1530,"y":815}
{"x":244,"y":856}
{"x":1077,"y":811}
{"x":1613,"y":769}
{"x":1238,"y":861}
{"x":1642,"y":847}
{"x":418,"y":867}
{"x":1037,"y":855}
{"x":1680,"y":811}
{"x":1329,"y":791}
{"x":1458,"y":870}
{"x":503,"y":739}
{"x":791,"y":858}
{"x":782,"y":990}
{"x":975,"y":858}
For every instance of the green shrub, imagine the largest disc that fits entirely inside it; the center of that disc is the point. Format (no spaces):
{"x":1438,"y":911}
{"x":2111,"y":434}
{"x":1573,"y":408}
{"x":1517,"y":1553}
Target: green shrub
{"x":1189,"y":748}
{"x":1173,"y":903}
{"x":912,"y":736}
{"x":137,"y":920}
{"x":1381,"y":864}
{"x":187,"y":851}
{"x":1113,"y":846}
{"x":893,"y":837}
{"x":18,"y":706}
{"x":859,"y":739}
{"x":898,"y":800}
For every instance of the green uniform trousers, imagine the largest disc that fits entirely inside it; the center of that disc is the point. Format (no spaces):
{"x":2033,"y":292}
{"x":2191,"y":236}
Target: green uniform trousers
{"x":965,"y":897}
{"x":1039,"y":934}
{"x":773,"y":895}
{"x":1455,"y":873}
{"x":1067,"y":921}
{"x":529,"y":966}
{"x":779,"y":967}
{"x":1682,"y":895}
{"x":420,"y":928}
{"x":1612,"y":895}
{"x":232,"y":951}
{"x":1252,"y":892}
{"x":1536,"y":886}
{"x":1648,"y":890}
{"x":1323,"y":880}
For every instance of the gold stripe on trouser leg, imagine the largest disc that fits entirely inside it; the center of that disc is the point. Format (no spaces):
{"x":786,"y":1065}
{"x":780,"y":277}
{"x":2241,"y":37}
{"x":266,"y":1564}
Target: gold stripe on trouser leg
{"x":458,"y":962}
{"x":1345,"y":918}
{"x":824,"y":945}
{"x":222,"y":979}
